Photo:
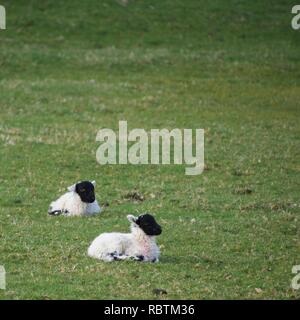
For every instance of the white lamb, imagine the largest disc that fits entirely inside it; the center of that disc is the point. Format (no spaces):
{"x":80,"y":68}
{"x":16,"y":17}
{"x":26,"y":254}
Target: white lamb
{"x":138,"y":245}
{"x":80,"y":200}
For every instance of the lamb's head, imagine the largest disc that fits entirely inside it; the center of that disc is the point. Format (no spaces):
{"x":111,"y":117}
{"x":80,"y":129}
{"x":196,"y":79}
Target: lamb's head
{"x":147,"y":223}
{"x":85,"y":190}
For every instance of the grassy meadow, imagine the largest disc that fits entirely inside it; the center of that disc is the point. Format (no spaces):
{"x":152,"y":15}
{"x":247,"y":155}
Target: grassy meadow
{"x":70,"y":68}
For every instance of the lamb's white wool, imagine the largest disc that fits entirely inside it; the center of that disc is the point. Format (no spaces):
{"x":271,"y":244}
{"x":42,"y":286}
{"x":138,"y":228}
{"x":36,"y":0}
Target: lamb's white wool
{"x":136,"y":245}
{"x":70,"y":204}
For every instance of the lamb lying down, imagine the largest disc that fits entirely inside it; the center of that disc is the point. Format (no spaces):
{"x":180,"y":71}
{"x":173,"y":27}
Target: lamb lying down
{"x":80,"y":200}
{"x":138,"y":245}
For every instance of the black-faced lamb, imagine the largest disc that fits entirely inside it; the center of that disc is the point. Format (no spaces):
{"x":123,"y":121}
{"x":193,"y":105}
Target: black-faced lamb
{"x":139,"y":245}
{"x":80,"y":200}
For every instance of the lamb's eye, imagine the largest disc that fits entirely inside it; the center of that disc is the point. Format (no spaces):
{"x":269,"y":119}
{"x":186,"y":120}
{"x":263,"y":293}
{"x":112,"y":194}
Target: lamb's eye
{"x":82,"y":190}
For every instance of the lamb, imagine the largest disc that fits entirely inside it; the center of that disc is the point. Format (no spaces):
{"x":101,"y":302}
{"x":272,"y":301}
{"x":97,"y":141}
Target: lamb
{"x":139,"y":245}
{"x":80,"y":200}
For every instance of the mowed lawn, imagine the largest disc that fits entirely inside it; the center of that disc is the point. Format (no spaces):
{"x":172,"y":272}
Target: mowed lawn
{"x":70,"y":68}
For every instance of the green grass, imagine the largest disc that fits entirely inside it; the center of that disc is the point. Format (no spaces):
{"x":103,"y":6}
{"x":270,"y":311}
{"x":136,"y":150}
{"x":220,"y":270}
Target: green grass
{"x":70,"y":68}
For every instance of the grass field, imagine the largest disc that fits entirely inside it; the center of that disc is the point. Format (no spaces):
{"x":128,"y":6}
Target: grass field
{"x":70,"y":68}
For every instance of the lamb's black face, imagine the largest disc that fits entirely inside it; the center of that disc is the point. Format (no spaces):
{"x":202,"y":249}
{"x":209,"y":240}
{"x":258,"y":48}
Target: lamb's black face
{"x":86,"y":191}
{"x":148,"y":224}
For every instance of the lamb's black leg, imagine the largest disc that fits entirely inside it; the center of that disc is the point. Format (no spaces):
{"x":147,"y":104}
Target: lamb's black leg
{"x":118,"y":257}
{"x":139,"y":258}
{"x":57,"y":212}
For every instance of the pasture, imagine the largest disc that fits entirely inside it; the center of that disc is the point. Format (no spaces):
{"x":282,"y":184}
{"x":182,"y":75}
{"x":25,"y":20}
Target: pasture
{"x":70,"y":68}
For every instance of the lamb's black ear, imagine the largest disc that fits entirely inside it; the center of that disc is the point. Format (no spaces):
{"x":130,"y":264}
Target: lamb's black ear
{"x":132,"y":218}
{"x":139,"y":219}
{"x":72,"y":188}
